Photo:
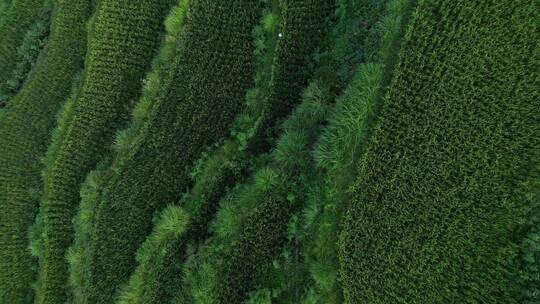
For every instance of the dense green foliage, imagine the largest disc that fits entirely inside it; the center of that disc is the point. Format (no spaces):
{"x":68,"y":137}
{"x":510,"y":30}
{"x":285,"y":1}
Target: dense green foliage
{"x":260,"y":231}
{"x":112,"y":82}
{"x":4,"y":4}
{"x":529,"y":276}
{"x":27,"y":54}
{"x":15,"y":22}
{"x":242,"y":247}
{"x":79,"y":278}
{"x":78,"y":253}
{"x":192,"y":111}
{"x":343,"y":143}
{"x":220,"y":169}
{"x":304,"y":25}
{"x":24,"y":134}
{"x":269,"y":151}
{"x":146,"y":284}
{"x":439,"y":205}
{"x":160,"y":258}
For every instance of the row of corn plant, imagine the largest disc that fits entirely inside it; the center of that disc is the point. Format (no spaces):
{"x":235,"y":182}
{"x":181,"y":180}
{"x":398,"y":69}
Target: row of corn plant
{"x":254,"y":234}
{"x":282,"y":49}
{"x":159,"y":260}
{"x":24,"y":135}
{"x":111,"y":83}
{"x":443,"y":194}
{"x":157,"y":80}
{"x":200,"y":95}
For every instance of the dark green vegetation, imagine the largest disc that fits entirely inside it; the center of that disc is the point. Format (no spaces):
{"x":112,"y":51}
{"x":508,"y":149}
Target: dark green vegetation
{"x":242,"y":247}
{"x":112,"y":81}
{"x":278,"y":58}
{"x":529,"y":276}
{"x":304,"y":24}
{"x":158,"y":80}
{"x":27,"y":54}
{"x":269,"y":151}
{"x":444,"y":188}
{"x":3,"y":6}
{"x":349,"y":129}
{"x":260,"y":218}
{"x":193,"y":111}
{"x":78,"y":253}
{"x":25,"y":125}
{"x":16,"y":20}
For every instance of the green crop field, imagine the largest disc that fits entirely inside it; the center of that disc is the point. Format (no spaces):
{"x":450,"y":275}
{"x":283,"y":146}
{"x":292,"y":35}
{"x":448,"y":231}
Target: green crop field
{"x":269,"y":151}
{"x":18,"y":21}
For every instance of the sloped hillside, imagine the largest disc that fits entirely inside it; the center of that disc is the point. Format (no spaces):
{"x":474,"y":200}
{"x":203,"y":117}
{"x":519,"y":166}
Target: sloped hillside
{"x":269,"y":151}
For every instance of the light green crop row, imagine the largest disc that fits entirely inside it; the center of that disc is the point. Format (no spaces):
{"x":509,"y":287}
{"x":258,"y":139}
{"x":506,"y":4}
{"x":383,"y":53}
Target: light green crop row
{"x":344,"y":142}
{"x":283,"y":52}
{"x":444,"y":190}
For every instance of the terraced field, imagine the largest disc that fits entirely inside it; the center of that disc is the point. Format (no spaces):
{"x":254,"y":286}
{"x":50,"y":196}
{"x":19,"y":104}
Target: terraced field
{"x":112,"y":80}
{"x":446,"y":184}
{"x":269,"y":151}
{"x":25,"y":126}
